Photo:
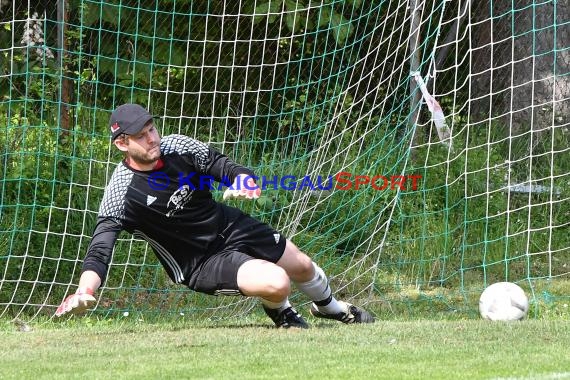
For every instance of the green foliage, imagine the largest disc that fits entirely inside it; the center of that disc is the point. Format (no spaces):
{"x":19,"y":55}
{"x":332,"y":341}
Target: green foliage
{"x":298,"y":17}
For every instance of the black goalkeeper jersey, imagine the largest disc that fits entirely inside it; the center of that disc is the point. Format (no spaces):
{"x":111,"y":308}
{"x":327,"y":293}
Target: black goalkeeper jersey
{"x":170,"y":207}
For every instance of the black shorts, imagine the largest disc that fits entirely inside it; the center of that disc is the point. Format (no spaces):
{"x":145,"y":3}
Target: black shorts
{"x":245,"y":239}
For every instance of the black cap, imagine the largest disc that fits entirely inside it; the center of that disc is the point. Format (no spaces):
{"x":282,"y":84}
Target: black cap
{"x":129,"y":119}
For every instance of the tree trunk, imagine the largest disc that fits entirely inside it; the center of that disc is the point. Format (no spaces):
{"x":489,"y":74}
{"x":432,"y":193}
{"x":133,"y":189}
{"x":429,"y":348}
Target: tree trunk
{"x":66,"y":85}
{"x":521,"y":63}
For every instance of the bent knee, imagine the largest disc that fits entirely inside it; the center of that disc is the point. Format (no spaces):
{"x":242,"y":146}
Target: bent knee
{"x":279,"y":285}
{"x":264,"y":279}
{"x":276,"y":280}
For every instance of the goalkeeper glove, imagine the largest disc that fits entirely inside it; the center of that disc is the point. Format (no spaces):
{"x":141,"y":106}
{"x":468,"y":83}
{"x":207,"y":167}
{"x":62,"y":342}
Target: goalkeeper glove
{"x":77,"y":303}
{"x":243,"y":186}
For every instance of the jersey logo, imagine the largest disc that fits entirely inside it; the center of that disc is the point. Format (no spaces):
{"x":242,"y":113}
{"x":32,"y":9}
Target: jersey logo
{"x":150,"y":200}
{"x":178,"y":200}
{"x":277,"y":237}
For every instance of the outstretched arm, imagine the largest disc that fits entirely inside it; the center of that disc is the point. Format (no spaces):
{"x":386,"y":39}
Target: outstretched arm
{"x":214,"y":164}
{"x":239,"y":179}
{"x":95,"y":268}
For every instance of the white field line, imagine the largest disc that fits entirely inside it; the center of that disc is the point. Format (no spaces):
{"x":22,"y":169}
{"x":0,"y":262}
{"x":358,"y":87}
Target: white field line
{"x":544,"y":376}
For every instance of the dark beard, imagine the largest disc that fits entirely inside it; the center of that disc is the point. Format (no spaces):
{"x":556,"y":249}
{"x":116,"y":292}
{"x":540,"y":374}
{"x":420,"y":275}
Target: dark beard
{"x":143,"y":159}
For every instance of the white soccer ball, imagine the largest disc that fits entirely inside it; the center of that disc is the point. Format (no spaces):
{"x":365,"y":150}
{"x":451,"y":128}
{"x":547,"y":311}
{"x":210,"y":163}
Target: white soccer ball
{"x":503,"y":301}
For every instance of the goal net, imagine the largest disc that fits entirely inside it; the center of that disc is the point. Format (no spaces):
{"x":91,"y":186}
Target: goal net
{"x":417,"y":150}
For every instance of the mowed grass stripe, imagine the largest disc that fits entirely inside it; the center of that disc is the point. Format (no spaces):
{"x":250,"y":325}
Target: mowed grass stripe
{"x":472,"y":349}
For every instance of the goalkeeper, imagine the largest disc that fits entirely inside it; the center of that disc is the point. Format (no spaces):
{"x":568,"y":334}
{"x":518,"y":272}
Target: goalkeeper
{"x":157,"y":194}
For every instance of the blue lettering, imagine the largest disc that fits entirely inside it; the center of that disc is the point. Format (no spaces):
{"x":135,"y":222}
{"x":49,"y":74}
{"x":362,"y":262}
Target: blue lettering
{"x":206,"y":180}
{"x":158,"y":181}
{"x":319,"y":183}
{"x":185,"y":180}
{"x":265,"y":182}
{"x":246,"y":184}
{"x":225,"y":181}
{"x":306,"y":182}
{"x":289,"y":185}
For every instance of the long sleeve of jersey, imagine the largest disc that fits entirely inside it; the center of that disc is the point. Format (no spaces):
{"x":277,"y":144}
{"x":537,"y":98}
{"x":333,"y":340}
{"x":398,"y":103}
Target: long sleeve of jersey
{"x":101,"y":247}
{"x":222,"y":168}
{"x":205,"y":159}
{"x":174,"y":220}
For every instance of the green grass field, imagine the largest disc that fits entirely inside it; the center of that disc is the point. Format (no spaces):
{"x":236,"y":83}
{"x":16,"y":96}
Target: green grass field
{"x":90,"y":348}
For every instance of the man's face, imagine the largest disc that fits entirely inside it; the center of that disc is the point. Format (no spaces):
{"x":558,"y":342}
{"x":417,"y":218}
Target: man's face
{"x":142,"y":149}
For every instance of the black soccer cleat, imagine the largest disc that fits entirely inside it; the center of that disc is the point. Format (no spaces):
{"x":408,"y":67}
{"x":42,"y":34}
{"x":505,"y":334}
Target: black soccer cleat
{"x":354,"y":314}
{"x":286,"y":318}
